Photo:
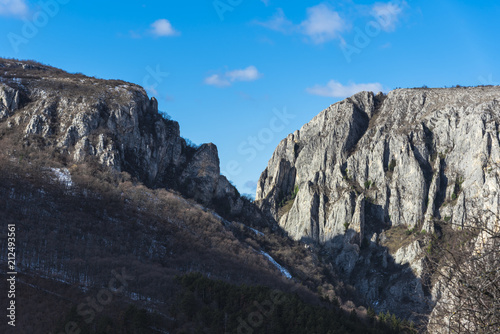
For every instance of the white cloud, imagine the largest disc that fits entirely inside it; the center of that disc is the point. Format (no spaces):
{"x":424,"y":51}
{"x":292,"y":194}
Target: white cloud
{"x":322,"y":24}
{"x":248,"y":74}
{"x":387,"y":14}
{"x":279,"y":22}
{"x":163,"y":27}
{"x":223,"y":80}
{"x":13,"y":8}
{"x":217,"y":80}
{"x":336,"y":89}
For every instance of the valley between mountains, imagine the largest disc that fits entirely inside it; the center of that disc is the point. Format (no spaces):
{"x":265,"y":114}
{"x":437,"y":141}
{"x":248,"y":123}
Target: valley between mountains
{"x":380,"y":215}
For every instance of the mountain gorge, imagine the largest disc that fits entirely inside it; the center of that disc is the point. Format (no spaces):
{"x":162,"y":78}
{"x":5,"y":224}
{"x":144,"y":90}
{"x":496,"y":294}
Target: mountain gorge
{"x":350,"y":223}
{"x":101,"y":187}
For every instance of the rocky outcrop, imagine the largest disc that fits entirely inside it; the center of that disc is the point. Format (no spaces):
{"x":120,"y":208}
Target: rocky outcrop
{"x":409,"y":152}
{"x":412,"y":255}
{"x":115,"y":124}
{"x":410,"y":160}
{"x":9,"y":101}
{"x":201,"y":175}
{"x":201,"y":180}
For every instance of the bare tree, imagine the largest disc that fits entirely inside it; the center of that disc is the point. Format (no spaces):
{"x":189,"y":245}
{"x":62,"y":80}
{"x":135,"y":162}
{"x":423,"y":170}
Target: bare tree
{"x":468,"y":280}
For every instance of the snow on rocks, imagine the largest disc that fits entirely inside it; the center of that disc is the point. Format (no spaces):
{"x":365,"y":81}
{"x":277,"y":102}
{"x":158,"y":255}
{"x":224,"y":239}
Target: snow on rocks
{"x":63,"y":176}
{"x":285,"y":272}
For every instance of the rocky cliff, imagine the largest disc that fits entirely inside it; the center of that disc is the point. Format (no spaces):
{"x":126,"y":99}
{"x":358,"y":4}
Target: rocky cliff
{"x":388,"y":170}
{"x":114,"y":124}
{"x":410,"y":157}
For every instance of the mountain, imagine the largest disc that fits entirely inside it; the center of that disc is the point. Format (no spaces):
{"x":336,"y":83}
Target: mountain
{"x":115,"y":124}
{"x":120,"y":225}
{"x":378,"y":216}
{"x":396,"y":174}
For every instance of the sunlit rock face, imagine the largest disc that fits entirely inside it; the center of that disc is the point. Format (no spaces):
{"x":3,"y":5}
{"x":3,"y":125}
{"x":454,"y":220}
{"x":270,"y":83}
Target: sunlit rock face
{"x":414,"y":155}
{"x":373,"y":169}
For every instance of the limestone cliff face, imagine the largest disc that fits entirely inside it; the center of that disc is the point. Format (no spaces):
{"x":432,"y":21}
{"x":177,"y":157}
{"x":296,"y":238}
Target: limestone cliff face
{"x":373,"y":169}
{"x":113,"y":123}
{"x":415,"y":155}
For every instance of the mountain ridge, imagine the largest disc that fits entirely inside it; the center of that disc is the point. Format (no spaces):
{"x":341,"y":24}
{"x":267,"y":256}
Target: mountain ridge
{"x":116,"y":123}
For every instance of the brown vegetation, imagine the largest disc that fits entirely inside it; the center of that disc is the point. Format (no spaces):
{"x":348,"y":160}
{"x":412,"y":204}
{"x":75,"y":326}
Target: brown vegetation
{"x":107,"y":220}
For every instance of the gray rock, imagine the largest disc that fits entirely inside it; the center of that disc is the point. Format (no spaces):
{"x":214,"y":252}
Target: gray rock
{"x":347,"y":258}
{"x":459,"y":213}
{"x":390,"y":142}
{"x":201,"y":175}
{"x":414,"y":157}
{"x":412,"y":255}
{"x":431,"y":202}
{"x":355,"y":232}
{"x":9,"y":101}
{"x":116,"y":125}
{"x":384,"y":259}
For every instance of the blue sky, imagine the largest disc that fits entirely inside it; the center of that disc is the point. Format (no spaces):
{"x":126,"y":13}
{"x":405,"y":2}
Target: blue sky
{"x":244,"y":73}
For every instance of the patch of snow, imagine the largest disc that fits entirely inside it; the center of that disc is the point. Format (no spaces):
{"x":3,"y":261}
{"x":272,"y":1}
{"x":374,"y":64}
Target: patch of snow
{"x":256,"y":231}
{"x":63,"y":175}
{"x":285,"y":272}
